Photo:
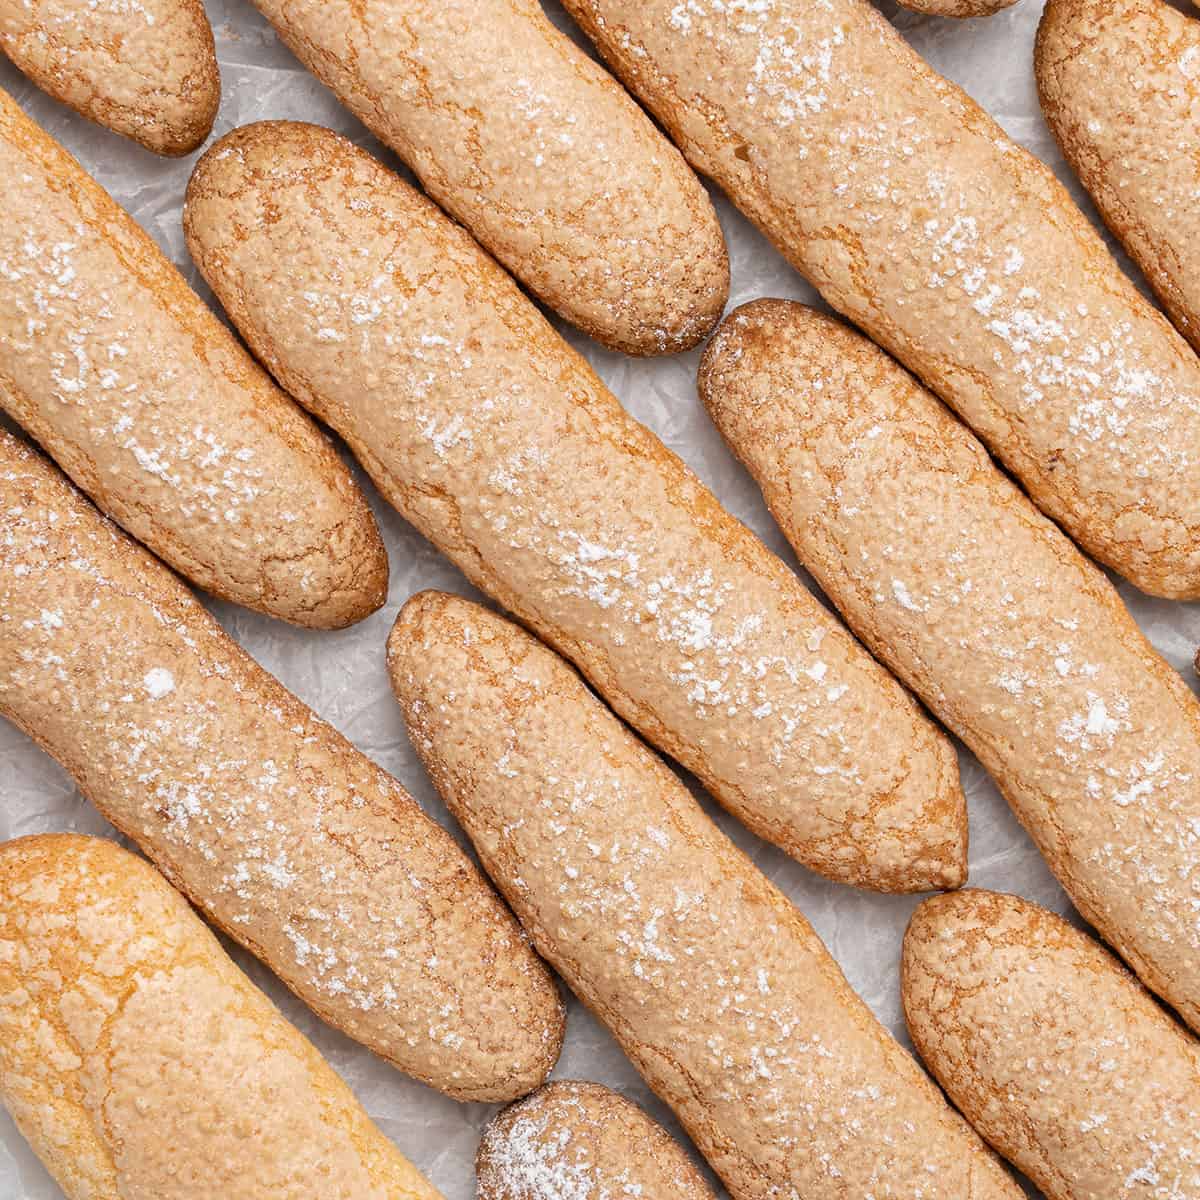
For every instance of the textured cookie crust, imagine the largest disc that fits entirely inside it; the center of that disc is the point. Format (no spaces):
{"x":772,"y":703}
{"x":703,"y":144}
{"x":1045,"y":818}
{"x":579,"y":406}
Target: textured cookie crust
{"x":147,"y":401}
{"x":711,"y":981}
{"x":1119,"y":82}
{"x":293,"y":842}
{"x":580,"y":1141}
{"x":140,"y":1062}
{"x":918,"y":218}
{"x":1052,"y":1050}
{"x":143,"y":68}
{"x":498,"y":442}
{"x":1018,"y":644}
{"x":957,"y":8}
{"x":536,"y":149}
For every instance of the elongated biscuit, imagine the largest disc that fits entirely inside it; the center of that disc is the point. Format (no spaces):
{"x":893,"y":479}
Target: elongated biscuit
{"x":293,"y":842}
{"x":143,"y":397}
{"x":140,"y":1062}
{"x":536,"y":149}
{"x":1018,"y":644}
{"x":918,"y":218}
{"x":500,"y":444}
{"x":146,"y":69}
{"x":1054,"y":1052}
{"x":573,"y":1140}
{"x":714,"y":985}
{"x":1119,"y":83}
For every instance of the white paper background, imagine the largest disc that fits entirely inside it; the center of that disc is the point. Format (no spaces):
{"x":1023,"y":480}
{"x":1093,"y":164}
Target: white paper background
{"x":342,"y":675}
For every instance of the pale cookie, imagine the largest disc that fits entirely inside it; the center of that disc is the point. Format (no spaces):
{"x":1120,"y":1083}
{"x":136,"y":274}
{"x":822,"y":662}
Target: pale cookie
{"x":1054,"y":1052}
{"x":581,"y":1141}
{"x":536,"y":149}
{"x":499,"y":443}
{"x":139,"y":1062}
{"x":1119,"y":82}
{"x":714,"y":985}
{"x":146,"y":400}
{"x":1019,"y":645}
{"x":918,"y":218}
{"x":143,"y":68}
{"x":289,"y":839}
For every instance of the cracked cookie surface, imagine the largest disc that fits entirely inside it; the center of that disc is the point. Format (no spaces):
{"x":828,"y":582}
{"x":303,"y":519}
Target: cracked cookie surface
{"x":146,"y":69}
{"x":1052,"y":1049}
{"x":920,"y":220}
{"x":141,"y":1064}
{"x":536,"y":149}
{"x":127,"y":379}
{"x":1019,"y":645}
{"x":500,"y":444}
{"x":1119,"y":83}
{"x":290,"y":839}
{"x":714,"y":985}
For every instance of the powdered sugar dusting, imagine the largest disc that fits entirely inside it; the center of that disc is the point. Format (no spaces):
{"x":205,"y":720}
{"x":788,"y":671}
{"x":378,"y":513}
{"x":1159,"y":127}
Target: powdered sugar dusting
{"x":708,"y":977}
{"x":968,"y":264}
{"x":292,"y":840}
{"x":506,"y":451}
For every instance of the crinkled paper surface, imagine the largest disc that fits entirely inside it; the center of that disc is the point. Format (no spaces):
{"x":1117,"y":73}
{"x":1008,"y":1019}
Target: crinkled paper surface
{"x":342,"y":675}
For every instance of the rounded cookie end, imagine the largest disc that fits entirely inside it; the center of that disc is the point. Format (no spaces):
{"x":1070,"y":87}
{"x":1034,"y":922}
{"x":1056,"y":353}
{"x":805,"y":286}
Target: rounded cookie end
{"x":585,"y":1135}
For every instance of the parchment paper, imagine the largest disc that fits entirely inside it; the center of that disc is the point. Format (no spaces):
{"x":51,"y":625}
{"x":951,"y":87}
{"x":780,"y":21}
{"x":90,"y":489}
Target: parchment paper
{"x":342,"y":675}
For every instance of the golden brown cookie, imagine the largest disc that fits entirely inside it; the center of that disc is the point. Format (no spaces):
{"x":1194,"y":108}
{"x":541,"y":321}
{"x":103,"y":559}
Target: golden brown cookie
{"x":140,"y":1062}
{"x":572,"y":1139}
{"x":291,"y":841}
{"x":143,"y":68}
{"x":1020,"y":646}
{"x":127,"y":379}
{"x":499,"y":443}
{"x":536,"y":150}
{"x":1052,"y":1050}
{"x":711,"y":981}
{"x":921,"y":221}
{"x":1119,"y":82}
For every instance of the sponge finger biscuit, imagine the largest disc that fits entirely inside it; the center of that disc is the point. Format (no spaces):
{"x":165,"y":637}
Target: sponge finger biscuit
{"x":536,"y":150}
{"x":921,"y":221}
{"x":586,"y":1137}
{"x":1012,"y":638}
{"x":127,"y":379}
{"x":1052,"y":1050}
{"x":293,"y":842}
{"x":1136,"y":148}
{"x":139,"y":1061}
{"x":146,"y":70}
{"x":499,"y":443}
{"x":714,"y":985}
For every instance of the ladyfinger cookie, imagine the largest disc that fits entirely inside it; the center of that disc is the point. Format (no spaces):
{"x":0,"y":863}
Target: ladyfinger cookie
{"x":498,"y":442}
{"x":152,"y":407}
{"x":138,"y":1061}
{"x":536,"y":149}
{"x":1052,"y":1050}
{"x":289,"y":839}
{"x":714,"y":985}
{"x":146,"y":70}
{"x":918,"y":218}
{"x":1018,"y":644}
{"x":573,"y":1139}
{"x":1119,"y":83}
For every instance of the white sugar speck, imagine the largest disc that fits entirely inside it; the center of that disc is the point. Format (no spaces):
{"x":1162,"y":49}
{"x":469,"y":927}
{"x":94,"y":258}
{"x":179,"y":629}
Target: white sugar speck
{"x":158,"y":682}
